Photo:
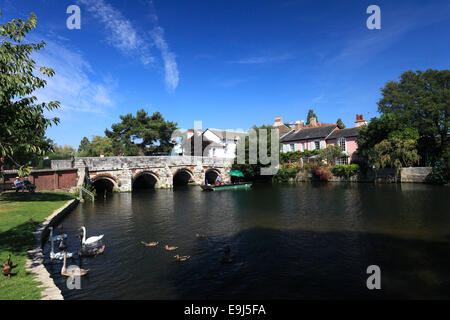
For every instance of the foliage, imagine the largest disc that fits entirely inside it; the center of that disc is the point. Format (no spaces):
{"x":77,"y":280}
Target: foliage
{"x":61,"y":152}
{"x":311,"y":115}
{"x":394,"y":153}
{"x":414,"y":108}
{"x":293,"y":156}
{"x":93,"y":149}
{"x":285,"y":173}
{"x":321,"y":173}
{"x":22,"y":120}
{"x":330,"y":154}
{"x":346,"y":170}
{"x":24,"y":171}
{"x":142,"y":133}
{"x":439,"y":174}
{"x":340,"y":124}
{"x":253,"y":171}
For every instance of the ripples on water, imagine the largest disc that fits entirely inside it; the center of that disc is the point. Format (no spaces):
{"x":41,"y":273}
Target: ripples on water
{"x":287,"y":242}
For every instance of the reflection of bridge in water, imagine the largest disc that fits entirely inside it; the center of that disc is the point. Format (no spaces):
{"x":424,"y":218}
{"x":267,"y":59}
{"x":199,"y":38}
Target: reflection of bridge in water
{"x":130,"y":173}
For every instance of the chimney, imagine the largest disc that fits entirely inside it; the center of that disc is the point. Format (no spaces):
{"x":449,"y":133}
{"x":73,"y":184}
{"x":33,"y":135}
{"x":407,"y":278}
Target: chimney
{"x":190,"y":133}
{"x":102,"y":154}
{"x":360,"y":121}
{"x":199,"y":132}
{"x":278,"y":122}
{"x":313,"y":122}
{"x":298,"y":125}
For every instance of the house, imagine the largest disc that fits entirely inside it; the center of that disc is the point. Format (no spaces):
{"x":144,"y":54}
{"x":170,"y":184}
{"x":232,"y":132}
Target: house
{"x":214,"y":143}
{"x":225,"y":142}
{"x":346,"y":139}
{"x":304,"y":138}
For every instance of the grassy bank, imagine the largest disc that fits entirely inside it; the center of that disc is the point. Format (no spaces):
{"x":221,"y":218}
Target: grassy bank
{"x":16,"y":237}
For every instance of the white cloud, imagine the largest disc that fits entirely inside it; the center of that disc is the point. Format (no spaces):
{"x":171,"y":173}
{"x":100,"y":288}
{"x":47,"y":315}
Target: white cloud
{"x":170,"y":64}
{"x":121,"y":32}
{"x":125,"y":37}
{"x":72,"y":83}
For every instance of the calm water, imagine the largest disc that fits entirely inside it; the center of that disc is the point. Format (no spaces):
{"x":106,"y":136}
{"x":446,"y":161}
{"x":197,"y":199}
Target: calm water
{"x":287,"y":242}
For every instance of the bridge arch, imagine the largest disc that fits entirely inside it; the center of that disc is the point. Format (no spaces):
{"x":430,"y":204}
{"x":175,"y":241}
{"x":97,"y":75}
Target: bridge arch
{"x":146,"y":179}
{"x":104,"y":183}
{"x":211,"y":175}
{"x":182,"y":177}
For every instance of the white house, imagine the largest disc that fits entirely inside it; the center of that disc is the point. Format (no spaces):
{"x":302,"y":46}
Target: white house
{"x":225,"y":142}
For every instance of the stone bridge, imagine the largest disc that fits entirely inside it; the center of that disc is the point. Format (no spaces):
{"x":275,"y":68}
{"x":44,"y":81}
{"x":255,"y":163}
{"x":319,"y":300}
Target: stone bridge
{"x":129,"y":173}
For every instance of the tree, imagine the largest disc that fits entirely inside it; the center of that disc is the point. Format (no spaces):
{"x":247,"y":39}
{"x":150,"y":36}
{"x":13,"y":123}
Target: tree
{"x":311,"y":115}
{"x":98,"y":145}
{"x":340,"y":124}
{"x":142,"y":134}
{"x":421,"y":100}
{"x":394,"y":153}
{"x":61,"y":152}
{"x":253,"y":171}
{"x":22,"y":120}
{"x":330,"y":154}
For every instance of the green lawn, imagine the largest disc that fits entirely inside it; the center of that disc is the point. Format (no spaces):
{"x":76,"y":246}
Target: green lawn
{"x":16,"y":237}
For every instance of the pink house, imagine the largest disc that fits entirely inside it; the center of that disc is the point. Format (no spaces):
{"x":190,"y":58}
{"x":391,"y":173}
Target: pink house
{"x":302,"y":139}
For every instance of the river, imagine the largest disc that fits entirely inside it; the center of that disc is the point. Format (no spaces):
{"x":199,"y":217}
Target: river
{"x":305,"y":241}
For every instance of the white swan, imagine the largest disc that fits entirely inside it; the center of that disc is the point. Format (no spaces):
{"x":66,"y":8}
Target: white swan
{"x":72,"y":270}
{"x":57,"y":255}
{"x":90,"y":240}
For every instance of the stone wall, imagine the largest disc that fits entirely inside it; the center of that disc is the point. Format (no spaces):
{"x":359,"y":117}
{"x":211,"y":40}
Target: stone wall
{"x":417,"y":174}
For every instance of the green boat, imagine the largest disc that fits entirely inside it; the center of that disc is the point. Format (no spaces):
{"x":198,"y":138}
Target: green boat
{"x":227,"y":186}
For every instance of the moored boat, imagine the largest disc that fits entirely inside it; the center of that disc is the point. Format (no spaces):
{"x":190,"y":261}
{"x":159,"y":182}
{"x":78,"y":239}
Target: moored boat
{"x":227,"y":186}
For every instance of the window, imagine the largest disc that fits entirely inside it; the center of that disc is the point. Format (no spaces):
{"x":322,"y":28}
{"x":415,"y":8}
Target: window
{"x":317,"y":144}
{"x":341,"y":143}
{"x":292,"y":147}
{"x":342,"y":160}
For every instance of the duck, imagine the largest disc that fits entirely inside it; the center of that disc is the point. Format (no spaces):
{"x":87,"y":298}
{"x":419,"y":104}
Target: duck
{"x":170,"y":248}
{"x":90,"y":240}
{"x":33,"y":223}
{"x":199,"y":235}
{"x":7,"y":266}
{"x":150,"y":244}
{"x":181,"y":258}
{"x":226,"y":259}
{"x":90,"y":251}
{"x":72,"y":270}
{"x":56,"y":255}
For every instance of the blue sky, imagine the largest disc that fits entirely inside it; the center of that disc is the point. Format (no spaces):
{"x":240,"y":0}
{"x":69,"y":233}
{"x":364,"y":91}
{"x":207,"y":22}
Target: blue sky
{"x":231,"y":64}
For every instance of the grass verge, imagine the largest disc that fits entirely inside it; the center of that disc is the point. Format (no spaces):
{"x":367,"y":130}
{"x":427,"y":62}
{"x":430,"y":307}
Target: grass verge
{"x":16,"y":237}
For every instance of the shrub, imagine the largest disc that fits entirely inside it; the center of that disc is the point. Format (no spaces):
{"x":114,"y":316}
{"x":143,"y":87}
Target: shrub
{"x":285,"y":173}
{"x":345,"y":170}
{"x":438,"y":175}
{"x":322,"y":173}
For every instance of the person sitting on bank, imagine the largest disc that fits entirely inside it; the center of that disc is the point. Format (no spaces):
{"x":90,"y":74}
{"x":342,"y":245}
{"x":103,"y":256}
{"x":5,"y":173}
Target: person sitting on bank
{"x":218,"y":180}
{"x":19,"y":185}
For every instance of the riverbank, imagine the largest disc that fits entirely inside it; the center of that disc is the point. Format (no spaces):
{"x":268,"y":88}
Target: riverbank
{"x":17,"y":236}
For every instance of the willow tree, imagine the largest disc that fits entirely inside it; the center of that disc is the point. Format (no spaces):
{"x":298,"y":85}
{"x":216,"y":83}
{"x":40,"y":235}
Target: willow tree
{"x":22,"y":120}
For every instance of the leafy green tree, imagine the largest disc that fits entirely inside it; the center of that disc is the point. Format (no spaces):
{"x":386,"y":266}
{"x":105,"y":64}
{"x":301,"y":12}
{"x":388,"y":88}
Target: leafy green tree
{"x":95,"y":147}
{"x":142,"y":133}
{"x":252,"y":171}
{"x":61,"y":152}
{"x":421,"y":100}
{"x":311,"y":115}
{"x":340,"y":124}
{"x":394,"y":153}
{"x":330,"y":154}
{"x":22,"y":120}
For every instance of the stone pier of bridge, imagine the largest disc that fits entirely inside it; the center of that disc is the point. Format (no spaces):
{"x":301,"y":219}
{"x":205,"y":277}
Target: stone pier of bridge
{"x":124,"y":174}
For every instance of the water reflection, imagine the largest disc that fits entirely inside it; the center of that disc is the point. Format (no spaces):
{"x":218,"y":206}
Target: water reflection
{"x":305,"y":241}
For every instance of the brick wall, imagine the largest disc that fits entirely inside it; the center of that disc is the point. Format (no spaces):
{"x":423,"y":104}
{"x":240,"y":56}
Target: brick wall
{"x":47,"y":179}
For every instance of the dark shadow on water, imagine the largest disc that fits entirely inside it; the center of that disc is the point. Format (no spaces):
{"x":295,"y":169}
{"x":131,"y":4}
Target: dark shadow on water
{"x":298,"y":264}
